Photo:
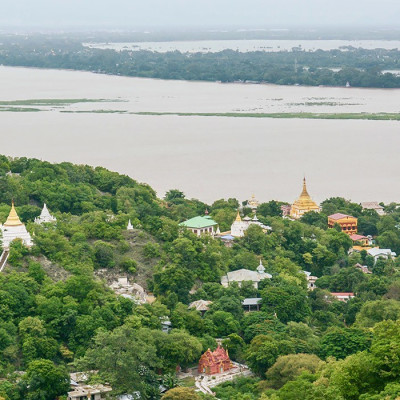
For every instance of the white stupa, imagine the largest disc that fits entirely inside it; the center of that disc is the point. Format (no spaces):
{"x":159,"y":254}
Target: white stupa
{"x":130,"y":226}
{"x":45,"y":216}
{"x":240,"y":225}
{"x":13,"y":228}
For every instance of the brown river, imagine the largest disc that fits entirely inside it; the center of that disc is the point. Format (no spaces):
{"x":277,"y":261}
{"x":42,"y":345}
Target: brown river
{"x":206,"y":157}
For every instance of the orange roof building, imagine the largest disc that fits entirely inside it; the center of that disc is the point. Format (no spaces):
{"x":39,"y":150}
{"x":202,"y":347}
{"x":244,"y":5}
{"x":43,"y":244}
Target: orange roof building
{"x":215,"y":362}
{"x":347,"y":223}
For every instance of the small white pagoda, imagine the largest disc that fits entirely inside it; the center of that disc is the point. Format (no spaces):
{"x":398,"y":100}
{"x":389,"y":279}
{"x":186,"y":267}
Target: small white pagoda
{"x":130,"y":226}
{"x":13,"y":229}
{"x":45,"y":216}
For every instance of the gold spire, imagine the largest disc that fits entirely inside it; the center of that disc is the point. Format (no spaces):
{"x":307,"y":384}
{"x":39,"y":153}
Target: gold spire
{"x":238,"y":217}
{"x":13,"y":219}
{"x":304,"y":193}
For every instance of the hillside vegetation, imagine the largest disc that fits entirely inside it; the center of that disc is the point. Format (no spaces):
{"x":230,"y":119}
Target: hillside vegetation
{"x":59,"y":315}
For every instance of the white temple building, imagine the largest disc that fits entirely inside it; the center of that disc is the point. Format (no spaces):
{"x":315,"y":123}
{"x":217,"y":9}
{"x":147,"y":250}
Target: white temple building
{"x":45,"y":216}
{"x":246,"y":275}
{"x":240,"y":225}
{"x":130,"y":226}
{"x":13,"y":229}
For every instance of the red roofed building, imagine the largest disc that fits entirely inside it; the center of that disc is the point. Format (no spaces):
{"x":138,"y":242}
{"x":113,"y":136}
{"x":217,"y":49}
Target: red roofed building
{"x":215,"y":362}
{"x":360,"y":238}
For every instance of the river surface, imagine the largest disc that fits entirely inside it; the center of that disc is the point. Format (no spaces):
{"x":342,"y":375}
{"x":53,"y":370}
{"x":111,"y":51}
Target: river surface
{"x":267,"y":45}
{"x":208,"y":157}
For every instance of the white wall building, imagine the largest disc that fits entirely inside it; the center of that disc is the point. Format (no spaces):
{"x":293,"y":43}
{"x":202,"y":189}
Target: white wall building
{"x":200,"y":225}
{"x":377,"y":253}
{"x":245,"y":275}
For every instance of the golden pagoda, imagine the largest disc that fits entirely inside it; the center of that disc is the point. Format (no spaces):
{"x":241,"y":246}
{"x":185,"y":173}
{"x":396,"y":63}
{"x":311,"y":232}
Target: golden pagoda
{"x":13,"y":219}
{"x":13,"y":229}
{"x":303,"y":204}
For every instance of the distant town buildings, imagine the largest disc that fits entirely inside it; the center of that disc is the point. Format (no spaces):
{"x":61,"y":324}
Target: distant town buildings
{"x":363,"y":268}
{"x":200,"y":225}
{"x":45,"y":216}
{"x":348,"y":224}
{"x":201,"y":305}
{"x":93,"y":392}
{"x":166,"y":324}
{"x":251,"y":304}
{"x":13,"y":229}
{"x":378,"y":253}
{"x":303,"y":204}
{"x":310,"y":280}
{"x":214,"y":362}
{"x":245,"y":275}
{"x":285,"y":208}
{"x":373,"y":205}
{"x":343,"y":296}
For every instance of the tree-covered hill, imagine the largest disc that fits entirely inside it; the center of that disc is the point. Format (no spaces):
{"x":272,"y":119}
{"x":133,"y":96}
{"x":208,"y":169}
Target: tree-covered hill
{"x":58,"y":313}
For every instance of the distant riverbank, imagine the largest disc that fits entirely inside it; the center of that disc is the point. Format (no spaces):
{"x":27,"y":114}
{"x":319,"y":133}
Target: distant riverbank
{"x":287,"y":63}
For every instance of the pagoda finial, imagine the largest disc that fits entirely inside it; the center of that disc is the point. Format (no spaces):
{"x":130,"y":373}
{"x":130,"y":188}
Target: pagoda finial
{"x":238,"y":219}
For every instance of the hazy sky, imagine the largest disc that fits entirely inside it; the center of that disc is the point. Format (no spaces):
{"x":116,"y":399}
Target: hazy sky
{"x":197,"y":13}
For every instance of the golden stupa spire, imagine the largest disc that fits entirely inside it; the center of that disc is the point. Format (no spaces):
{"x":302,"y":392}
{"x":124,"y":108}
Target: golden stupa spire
{"x":13,"y":219}
{"x":304,"y":193}
{"x":238,"y":217}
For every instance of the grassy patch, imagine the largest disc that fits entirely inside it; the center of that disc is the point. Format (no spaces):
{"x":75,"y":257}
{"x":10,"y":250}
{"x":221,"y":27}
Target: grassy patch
{"x":54,"y":102}
{"x":19,"y":109}
{"x":94,"y":111}
{"x":365,"y":116}
{"x":188,"y":382}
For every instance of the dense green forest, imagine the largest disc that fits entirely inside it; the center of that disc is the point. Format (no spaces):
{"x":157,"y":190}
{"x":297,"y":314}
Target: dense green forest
{"x":360,"y":67}
{"x":57,"y":316}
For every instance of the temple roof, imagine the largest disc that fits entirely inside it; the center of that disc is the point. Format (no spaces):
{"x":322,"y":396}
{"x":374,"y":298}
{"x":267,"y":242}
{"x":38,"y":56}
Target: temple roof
{"x":199,"y":222}
{"x":338,"y":216}
{"x":13,"y":219}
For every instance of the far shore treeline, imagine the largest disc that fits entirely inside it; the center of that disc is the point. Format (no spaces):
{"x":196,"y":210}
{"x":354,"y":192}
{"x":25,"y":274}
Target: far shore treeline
{"x":359,"y":67}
